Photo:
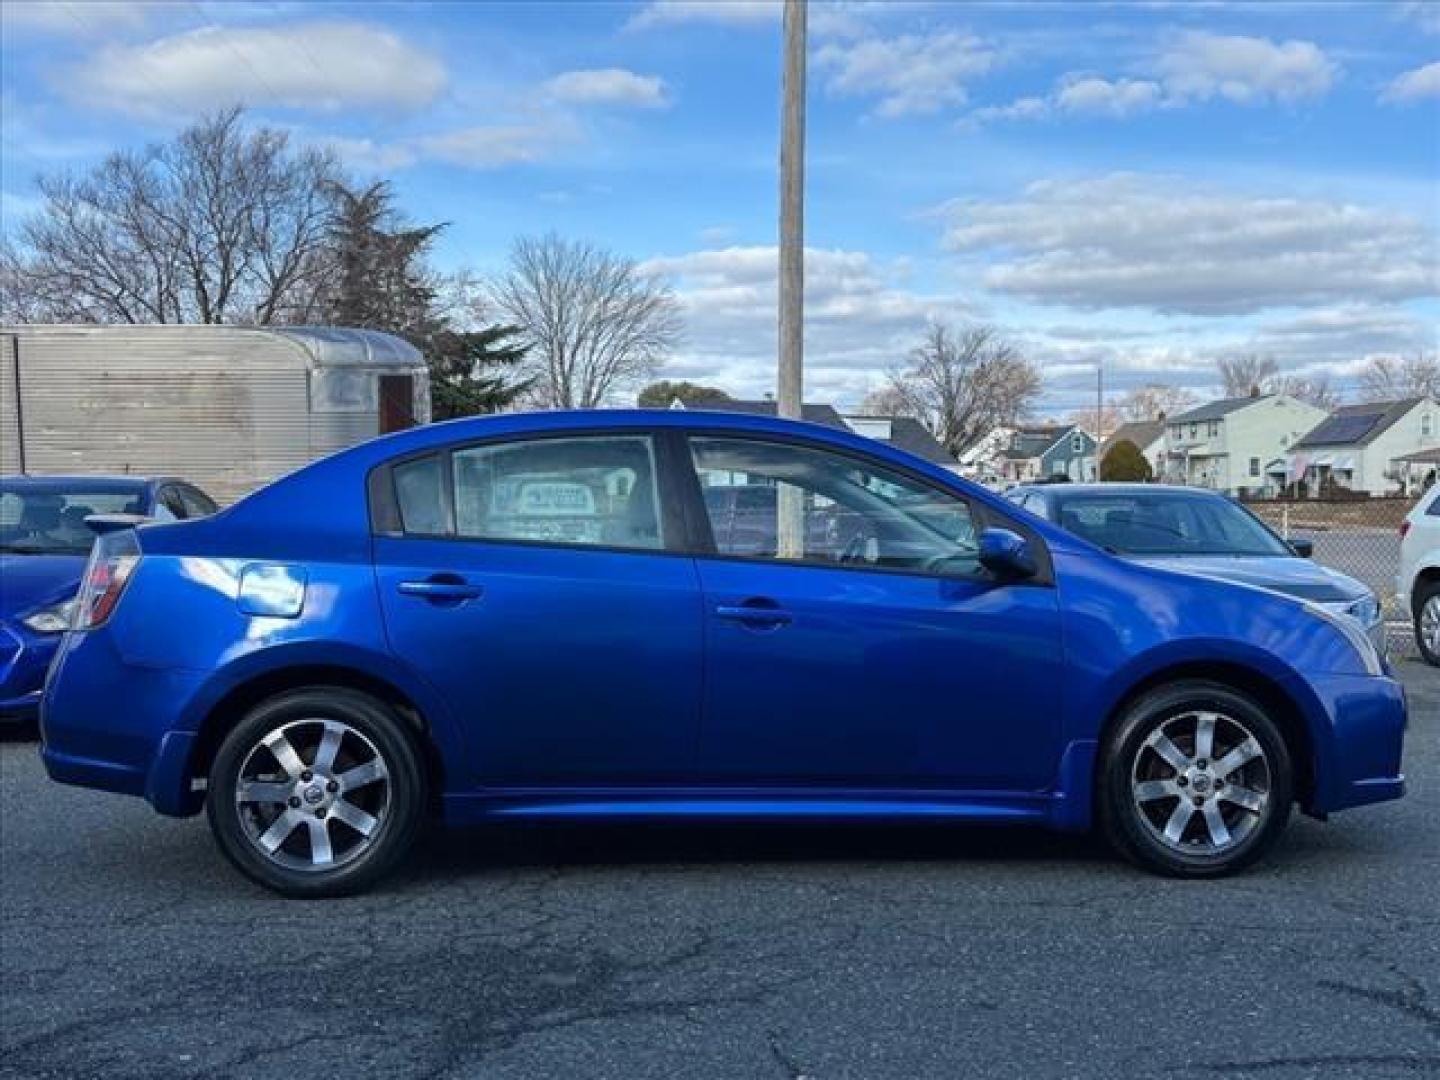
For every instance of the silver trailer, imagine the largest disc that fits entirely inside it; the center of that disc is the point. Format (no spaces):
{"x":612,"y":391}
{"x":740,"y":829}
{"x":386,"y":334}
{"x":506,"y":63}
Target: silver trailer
{"x":227,"y":407}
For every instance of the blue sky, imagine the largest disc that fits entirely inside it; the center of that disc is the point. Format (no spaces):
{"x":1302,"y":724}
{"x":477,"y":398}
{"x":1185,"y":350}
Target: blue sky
{"x":1146,"y":186}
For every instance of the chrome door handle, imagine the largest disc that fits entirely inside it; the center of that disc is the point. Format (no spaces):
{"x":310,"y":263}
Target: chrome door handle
{"x":755,"y":616}
{"x":441,"y":589}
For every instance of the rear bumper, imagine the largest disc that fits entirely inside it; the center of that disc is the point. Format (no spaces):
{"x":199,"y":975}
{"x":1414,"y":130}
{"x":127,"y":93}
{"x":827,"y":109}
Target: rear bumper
{"x":119,"y":727}
{"x":24,"y":659}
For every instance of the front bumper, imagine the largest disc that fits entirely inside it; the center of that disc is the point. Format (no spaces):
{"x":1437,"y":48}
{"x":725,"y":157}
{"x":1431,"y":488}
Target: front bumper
{"x":24,"y":659}
{"x":1358,"y":750}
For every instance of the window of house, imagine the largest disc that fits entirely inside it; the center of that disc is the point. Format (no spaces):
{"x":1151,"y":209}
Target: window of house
{"x":1194,"y":430}
{"x":1427,"y":425}
{"x":1214,"y":428}
{"x":1254,"y":466}
{"x":1077,"y":443}
{"x":849,"y":512}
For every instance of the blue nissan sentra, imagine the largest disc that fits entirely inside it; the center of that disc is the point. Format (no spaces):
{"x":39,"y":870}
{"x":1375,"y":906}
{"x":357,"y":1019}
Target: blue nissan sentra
{"x":44,"y":542}
{"x":535,"y":616}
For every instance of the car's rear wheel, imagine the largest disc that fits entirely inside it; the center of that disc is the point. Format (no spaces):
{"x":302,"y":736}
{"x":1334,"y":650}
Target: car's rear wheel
{"x":1196,"y":781}
{"x":1427,"y":622}
{"x":317,"y":792}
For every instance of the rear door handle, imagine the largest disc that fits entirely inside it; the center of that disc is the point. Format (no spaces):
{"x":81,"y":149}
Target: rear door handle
{"x":441,"y":588}
{"x":755,"y":615}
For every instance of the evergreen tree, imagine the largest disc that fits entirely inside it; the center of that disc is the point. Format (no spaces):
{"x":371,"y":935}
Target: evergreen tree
{"x":1125,"y":462}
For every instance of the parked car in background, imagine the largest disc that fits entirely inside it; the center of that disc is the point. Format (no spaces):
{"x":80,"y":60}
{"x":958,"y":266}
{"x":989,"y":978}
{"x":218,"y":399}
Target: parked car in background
{"x":44,"y":542}
{"x":1418,"y":583}
{"x":535,"y":616}
{"x":1199,"y":531}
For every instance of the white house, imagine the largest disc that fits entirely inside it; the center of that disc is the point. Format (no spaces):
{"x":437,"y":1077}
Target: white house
{"x":1360,"y":447}
{"x":1228,"y":444}
{"x":1147,"y":436}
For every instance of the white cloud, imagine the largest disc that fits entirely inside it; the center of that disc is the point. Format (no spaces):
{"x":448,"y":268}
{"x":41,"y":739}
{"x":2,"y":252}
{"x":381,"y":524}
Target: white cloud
{"x":317,"y":66}
{"x":1169,"y":245}
{"x":722,"y":12}
{"x":608,"y":86}
{"x":859,"y":320}
{"x":496,"y":145}
{"x":1197,"y":68}
{"x":1094,"y":95}
{"x":368,"y":155}
{"x":910,"y":74}
{"x":1245,"y":70}
{"x":1412,"y":86}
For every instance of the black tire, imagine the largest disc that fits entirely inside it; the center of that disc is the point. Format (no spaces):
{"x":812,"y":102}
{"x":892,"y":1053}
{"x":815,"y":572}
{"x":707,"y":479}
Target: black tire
{"x":1134,"y":828}
{"x":1425,"y":592}
{"x":396,"y":801}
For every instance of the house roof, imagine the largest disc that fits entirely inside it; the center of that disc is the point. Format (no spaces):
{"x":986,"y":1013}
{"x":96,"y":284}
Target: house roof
{"x":1215,"y":410}
{"x":1357,"y":425}
{"x":1422,"y":457}
{"x":1033,"y":441}
{"x":904,"y":433}
{"x":1140,"y":432}
{"x":815,"y":414}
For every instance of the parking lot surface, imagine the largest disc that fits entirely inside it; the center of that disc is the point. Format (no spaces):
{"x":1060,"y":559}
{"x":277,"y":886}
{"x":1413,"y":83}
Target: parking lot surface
{"x":131,"y":950}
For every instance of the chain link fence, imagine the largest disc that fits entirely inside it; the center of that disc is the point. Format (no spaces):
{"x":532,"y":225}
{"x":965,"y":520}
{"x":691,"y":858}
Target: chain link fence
{"x":1356,"y":536}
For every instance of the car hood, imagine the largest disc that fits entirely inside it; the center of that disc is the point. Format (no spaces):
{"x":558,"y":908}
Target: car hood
{"x":1291,"y":575}
{"x":28,"y":582}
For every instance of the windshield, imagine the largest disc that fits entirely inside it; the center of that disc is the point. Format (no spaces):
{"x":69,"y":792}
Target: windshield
{"x":1166,"y":523}
{"x":50,"y":520}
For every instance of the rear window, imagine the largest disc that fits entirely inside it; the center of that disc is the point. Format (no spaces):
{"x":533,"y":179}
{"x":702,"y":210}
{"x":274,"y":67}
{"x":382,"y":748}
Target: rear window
{"x":51,"y":520}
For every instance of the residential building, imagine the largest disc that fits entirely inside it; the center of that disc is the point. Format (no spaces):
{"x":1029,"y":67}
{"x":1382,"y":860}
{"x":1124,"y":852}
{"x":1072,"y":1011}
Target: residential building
{"x":981,"y":461}
{"x":1230,"y":444}
{"x":904,"y":433}
{"x":1147,"y":436}
{"x":1365,"y":447}
{"x":1048,"y":452}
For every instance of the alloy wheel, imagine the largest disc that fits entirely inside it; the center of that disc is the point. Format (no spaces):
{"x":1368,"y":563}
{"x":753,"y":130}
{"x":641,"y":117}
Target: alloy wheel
{"x":1201,"y":783}
{"x":1430,"y":625}
{"x":313,"y":795}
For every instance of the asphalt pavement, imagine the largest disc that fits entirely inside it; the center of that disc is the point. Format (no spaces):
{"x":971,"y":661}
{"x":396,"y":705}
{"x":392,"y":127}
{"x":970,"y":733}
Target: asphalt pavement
{"x":129,"y":949}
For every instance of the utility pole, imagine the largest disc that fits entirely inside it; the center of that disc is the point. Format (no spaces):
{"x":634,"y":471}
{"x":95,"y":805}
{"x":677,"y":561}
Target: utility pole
{"x":792,"y":214}
{"x":789,"y":502}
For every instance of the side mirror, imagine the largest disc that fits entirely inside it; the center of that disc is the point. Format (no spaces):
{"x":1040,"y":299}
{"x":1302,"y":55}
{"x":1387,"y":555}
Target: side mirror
{"x":1304,"y":548}
{"x":100,"y":524}
{"x":1007,"y":554}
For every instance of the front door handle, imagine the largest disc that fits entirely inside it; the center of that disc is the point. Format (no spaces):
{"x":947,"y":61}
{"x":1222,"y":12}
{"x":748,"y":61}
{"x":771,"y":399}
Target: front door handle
{"x":441,"y":588}
{"x":756,"y":614}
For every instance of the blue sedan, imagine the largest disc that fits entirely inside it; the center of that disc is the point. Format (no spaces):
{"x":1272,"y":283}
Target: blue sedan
{"x":536,"y":616}
{"x":44,"y":542}
{"x":1202,"y":532}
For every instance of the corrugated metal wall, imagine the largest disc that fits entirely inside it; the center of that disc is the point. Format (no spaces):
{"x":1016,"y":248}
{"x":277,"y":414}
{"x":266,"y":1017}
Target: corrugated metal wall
{"x":228,"y":408}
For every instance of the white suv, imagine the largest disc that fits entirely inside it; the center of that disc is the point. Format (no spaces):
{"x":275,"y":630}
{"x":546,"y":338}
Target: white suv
{"x":1419,"y":580}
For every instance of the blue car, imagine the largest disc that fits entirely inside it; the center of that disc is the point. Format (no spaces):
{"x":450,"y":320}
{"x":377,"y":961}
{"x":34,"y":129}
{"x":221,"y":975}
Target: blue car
{"x":44,"y":543}
{"x":534,"y":617}
{"x":1202,"y":532}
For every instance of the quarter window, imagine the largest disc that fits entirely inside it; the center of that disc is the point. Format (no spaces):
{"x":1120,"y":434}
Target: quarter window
{"x":831,"y":509}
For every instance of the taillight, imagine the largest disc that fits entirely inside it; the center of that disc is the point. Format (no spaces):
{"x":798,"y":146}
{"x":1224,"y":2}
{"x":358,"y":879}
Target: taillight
{"x":112,"y":562}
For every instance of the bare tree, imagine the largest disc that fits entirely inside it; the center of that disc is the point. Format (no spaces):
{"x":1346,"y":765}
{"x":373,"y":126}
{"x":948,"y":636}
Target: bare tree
{"x":886,"y":400}
{"x":1096,"y":422}
{"x":1244,"y":376}
{"x":222,"y":224}
{"x":593,"y":323}
{"x":1387,"y":378}
{"x":1314,"y":390}
{"x":964,"y":383}
{"x":1155,"y":401}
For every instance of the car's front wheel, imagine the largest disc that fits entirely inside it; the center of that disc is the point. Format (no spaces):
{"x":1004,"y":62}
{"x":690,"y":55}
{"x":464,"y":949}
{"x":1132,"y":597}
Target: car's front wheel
{"x":1196,"y":781}
{"x":317,"y":792}
{"x":1427,"y":622}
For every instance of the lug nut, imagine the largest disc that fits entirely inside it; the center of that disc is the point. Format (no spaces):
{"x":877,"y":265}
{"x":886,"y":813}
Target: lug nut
{"x":294,"y":800}
{"x":1181,"y":780}
{"x":333,"y":786}
{"x":1198,"y":801}
{"x":1200,"y":764}
{"x":307,"y":776}
{"x":320,"y":813}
